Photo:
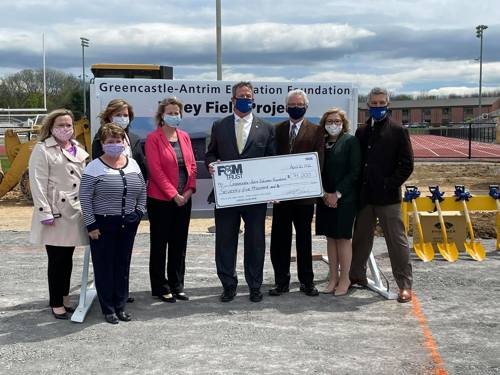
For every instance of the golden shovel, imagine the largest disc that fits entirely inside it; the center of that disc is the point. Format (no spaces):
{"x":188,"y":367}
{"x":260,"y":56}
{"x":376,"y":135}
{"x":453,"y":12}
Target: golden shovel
{"x":424,"y":250}
{"x":495,"y":194}
{"x":448,"y":250}
{"x":474,"y":248}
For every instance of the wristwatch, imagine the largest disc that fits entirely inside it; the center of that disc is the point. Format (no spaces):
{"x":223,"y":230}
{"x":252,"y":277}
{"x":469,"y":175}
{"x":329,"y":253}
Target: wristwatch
{"x":339,"y":194}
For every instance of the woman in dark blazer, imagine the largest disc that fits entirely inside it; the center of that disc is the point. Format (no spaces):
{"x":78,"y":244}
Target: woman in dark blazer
{"x":336,"y":211}
{"x":172,"y":181}
{"x":120,"y":112}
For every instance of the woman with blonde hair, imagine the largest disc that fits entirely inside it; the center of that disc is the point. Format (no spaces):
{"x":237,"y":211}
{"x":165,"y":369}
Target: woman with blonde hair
{"x":172,"y":181}
{"x":336,"y":211}
{"x":55,"y":169}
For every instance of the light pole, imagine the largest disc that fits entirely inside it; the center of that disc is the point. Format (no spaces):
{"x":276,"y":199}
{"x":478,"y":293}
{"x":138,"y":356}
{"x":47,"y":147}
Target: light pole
{"x":218,"y":39}
{"x":85,"y":43}
{"x":479,"y":34}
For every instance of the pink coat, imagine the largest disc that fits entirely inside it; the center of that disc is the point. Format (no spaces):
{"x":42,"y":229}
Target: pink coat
{"x":163,"y":170}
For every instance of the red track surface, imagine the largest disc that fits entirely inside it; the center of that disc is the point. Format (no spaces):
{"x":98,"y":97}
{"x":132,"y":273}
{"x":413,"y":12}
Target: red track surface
{"x":435,"y":146}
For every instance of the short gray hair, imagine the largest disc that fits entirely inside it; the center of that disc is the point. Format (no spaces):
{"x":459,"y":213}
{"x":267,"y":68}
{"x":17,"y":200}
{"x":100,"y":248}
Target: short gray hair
{"x":236,"y":86}
{"x":298,"y":92}
{"x":377,"y":91}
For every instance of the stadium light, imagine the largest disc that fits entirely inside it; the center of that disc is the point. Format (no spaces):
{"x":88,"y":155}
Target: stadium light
{"x":85,"y":43}
{"x":479,"y":34}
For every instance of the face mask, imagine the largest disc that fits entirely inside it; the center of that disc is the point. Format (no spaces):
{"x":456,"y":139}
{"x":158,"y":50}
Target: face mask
{"x":63,"y":134}
{"x":172,"y":121}
{"x":378,"y":113}
{"x":244,"y":105}
{"x":333,"y":130}
{"x":113,"y":149}
{"x":296,"y":112}
{"x":121,"y":121}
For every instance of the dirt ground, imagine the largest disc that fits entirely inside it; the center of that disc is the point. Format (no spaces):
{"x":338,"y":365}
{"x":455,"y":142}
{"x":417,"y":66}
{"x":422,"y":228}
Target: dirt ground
{"x":15,"y":210}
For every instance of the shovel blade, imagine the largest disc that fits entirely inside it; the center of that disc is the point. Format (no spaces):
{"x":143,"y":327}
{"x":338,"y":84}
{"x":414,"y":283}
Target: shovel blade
{"x":475,"y":250}
{"x":424,"y":251}
{"x":448,"y":251}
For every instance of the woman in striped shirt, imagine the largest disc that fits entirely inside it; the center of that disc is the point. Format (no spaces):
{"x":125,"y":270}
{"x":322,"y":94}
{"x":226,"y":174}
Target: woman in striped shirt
{"x":113,"y":199}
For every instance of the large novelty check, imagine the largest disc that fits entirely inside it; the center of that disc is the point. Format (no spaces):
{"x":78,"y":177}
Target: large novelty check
{"x":261,"y":180}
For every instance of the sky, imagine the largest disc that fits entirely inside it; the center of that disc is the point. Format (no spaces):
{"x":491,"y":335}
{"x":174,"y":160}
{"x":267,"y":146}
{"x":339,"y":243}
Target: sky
{"x":409,"y":47}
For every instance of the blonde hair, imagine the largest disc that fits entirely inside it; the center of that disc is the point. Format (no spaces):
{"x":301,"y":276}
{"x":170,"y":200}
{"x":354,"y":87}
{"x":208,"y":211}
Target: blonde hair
{"x":111,"y":130}
{"x":48,"y":122}
{"x":161,"y":108}
{"x":341,"y":113}
{"x":114,"y":106}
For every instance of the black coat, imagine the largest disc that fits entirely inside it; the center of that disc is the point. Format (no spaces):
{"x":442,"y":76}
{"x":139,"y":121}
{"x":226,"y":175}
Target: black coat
{"x":136,"y":144}
{"x":387,"y":161}
{"x":223,"y":145}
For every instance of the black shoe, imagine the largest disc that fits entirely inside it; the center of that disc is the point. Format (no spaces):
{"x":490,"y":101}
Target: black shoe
{"x":309,"y":290}
{"x":279,"y":290}
{"x":130,"y":300}
{"x":358,"y":283}
{"x":256,"y":295}
{"x":69,"y":309}
{"x":181,"y":296}
{"x":63,"y":316}
{"x":168,"y":297}
{"x":227,"y":295}
{"x":111,"y":318}
{"x":124,"y":316}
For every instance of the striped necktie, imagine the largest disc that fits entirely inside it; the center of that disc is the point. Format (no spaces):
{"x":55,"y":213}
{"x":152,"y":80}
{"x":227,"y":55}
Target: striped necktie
{"x":239,"y":135}
{"x":293,"y":135}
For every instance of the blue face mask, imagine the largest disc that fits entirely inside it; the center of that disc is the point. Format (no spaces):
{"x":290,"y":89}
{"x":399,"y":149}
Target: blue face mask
{"x":296,"y":112}
{"x":244,"y":105}
{"x":173,"y":121}
{"x":113,"y":149}
{"x":378,"y":113}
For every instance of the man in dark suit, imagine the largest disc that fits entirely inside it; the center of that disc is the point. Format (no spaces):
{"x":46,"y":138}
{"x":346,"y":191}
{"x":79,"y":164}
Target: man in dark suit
{"x":387,"y":162}
{"x":293,"y":136}
{"x":240,"y":136}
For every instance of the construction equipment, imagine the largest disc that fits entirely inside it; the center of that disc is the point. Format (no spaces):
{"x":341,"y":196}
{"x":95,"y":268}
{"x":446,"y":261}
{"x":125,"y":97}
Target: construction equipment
{"x":448,"y":250}
{"x":495,"y":194}
{"x":424,"y":250}
{"x":18,"y":154}
{"x":474,"y":248}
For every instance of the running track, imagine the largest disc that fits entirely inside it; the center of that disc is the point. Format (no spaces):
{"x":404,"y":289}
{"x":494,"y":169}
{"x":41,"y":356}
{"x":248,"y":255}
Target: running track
{"x":434,"y":146}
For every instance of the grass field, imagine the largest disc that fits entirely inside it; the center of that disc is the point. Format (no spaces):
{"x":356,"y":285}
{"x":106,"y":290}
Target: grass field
{"x":5,"y":164}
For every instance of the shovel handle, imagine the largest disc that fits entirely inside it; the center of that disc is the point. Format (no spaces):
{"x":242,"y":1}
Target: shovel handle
{"x":417,"y":222}
{"x":441,"y":222}
{"x":468,"y":221}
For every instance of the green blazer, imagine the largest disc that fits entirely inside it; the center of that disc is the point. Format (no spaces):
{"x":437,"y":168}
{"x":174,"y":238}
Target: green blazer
{"x":342,"y":167}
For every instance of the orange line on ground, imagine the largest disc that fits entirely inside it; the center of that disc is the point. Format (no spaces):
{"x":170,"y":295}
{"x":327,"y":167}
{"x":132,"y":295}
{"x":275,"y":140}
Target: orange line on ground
{"x":430,"y":343}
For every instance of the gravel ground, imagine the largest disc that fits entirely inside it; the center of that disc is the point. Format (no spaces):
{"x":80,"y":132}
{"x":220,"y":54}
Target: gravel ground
{"x":292,"y":334}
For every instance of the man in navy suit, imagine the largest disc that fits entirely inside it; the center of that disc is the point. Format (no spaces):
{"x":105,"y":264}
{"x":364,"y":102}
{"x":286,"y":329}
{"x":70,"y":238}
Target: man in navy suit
{"x":240,"y":136}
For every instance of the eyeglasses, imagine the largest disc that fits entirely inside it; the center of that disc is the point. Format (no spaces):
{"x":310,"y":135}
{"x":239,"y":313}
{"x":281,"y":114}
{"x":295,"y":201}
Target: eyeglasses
{"x":333,"y":122}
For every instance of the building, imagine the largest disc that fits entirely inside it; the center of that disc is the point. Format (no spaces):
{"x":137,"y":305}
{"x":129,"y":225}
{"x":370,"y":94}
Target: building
{"x":437,"y":111}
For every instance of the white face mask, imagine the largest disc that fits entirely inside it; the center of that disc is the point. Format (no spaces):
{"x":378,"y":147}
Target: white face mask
{"x":122,"y":121}
{"x":333,"y":130}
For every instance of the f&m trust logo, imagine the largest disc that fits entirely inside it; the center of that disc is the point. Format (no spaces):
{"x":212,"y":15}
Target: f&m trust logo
{"x":231,"y":171}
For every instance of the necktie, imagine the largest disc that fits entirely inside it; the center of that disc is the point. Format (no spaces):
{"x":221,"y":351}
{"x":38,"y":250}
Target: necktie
{"x":239,"y":135}
{"x":293,"y":135}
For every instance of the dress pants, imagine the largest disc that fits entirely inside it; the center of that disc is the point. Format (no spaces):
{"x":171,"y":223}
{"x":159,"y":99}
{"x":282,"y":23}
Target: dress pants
{"x":111,"y":255}
{"x":397,"y":244}
{"x":285,"y":215}
{"x":59,"y":272}
{"x":227,"y":226}
{"x":169,"y":225}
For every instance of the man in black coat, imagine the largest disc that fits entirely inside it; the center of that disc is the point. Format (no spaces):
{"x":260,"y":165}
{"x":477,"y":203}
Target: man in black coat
{"x":387,"y":162}
{"x":240,"y":136}
{"x":293,"y":136}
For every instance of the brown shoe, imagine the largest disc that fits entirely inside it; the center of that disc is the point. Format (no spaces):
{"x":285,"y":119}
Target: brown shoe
{"x":404,"y":295}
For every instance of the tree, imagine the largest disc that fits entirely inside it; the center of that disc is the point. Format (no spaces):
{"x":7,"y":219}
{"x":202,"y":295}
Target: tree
{"x":25,"y":90}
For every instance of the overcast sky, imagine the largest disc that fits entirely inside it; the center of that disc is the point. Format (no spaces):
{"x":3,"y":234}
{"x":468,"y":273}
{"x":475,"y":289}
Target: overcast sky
{"x":407,"y":46}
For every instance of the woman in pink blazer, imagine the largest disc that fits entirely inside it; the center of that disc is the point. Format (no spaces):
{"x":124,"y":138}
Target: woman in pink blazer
{"x":172,"y":181}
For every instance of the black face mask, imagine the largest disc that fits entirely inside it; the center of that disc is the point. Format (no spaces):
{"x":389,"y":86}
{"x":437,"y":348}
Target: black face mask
{"x":296,"y":112}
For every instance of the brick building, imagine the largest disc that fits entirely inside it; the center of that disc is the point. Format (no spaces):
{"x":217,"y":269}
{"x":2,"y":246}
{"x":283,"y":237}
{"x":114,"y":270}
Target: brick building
{"x":436,"y":111}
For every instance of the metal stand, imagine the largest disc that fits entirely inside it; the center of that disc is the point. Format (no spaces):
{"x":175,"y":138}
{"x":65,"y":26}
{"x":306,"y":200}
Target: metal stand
{"x":376,"y":284}
{"x":87,"y":292}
